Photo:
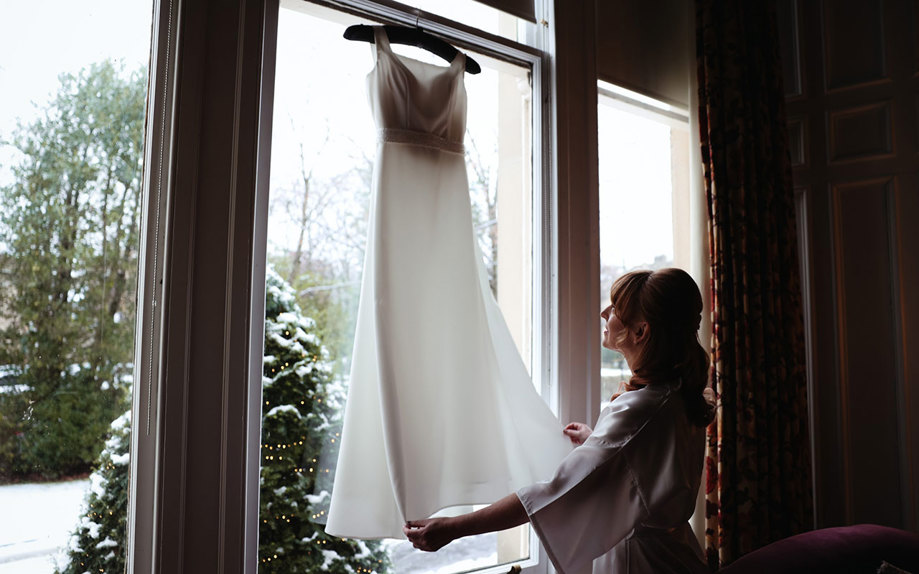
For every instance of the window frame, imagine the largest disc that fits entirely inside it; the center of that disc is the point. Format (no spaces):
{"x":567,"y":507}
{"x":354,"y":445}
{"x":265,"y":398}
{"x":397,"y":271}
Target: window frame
{"x":698,"y":264}
{"x":676,"y":119}
{"x":188,"y":509}
{"x":148,"y":353}
{"x":193,"y":503}
{"x":542,"y":302}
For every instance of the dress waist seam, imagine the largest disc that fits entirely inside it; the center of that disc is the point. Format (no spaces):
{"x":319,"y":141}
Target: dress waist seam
{"x":411,"y":137}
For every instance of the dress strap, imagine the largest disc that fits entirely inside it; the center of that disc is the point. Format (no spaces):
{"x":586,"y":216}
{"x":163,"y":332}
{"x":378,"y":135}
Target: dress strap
{"x":459,"y":59}
{"x":380,"y":41}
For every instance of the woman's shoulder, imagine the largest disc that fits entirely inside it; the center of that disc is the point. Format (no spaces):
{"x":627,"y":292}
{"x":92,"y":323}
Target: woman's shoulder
{"x":631,"y":411}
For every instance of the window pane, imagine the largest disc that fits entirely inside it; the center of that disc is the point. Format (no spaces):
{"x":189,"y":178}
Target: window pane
{"x":477,"y":15}
{"x":643,"y":203}
{"x":71,"y":139}
{"x":323,"y":147}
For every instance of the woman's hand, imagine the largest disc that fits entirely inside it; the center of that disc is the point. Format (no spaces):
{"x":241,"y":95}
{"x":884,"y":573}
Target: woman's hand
{"x":429,"y":535}
{"x":433,"y":534}
{"x":577,"y":432}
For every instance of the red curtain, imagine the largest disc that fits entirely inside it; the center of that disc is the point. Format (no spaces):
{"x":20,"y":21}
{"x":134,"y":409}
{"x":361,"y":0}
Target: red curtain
{"x":758,"y":459}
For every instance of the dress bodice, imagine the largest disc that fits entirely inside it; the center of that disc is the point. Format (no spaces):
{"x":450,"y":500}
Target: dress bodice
{"x":410,"y":98}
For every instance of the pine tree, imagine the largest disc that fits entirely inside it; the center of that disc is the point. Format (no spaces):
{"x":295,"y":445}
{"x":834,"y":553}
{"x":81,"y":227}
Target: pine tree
{"x":300,"y":427}
{"x":98,"y":545}
{"x":300,"y":430}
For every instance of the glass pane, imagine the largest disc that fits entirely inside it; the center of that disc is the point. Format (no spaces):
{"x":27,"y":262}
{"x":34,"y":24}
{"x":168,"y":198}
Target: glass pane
{"x":71,"y":140}
{"x":643,"y":204}
{"x":323,"y":147}
{"x":477,"y":15}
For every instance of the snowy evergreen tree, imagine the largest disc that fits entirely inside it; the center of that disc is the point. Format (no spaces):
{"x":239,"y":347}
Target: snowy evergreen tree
{"x":300,"y":430}
{"x":98,"y":544}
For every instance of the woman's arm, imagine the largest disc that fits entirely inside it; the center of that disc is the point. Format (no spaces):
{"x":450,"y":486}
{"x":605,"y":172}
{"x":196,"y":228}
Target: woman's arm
{"x":434,"y":533}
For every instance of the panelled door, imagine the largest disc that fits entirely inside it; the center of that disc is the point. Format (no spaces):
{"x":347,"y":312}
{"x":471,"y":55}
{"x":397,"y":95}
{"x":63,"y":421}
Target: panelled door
{"x":852,"y":93}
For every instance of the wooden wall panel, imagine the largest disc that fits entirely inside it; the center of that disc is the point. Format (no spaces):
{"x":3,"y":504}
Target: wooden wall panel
{"x":860,"y":133}
{"x":854,"y":42}
{"x":867,"y":350}
{"x":827,"y":398}
{"x":787,"y":16}
{"x":797,"y":139}
{"x":856,"y":116}
{"x":912,"y":38}
{"x":907,"y":249}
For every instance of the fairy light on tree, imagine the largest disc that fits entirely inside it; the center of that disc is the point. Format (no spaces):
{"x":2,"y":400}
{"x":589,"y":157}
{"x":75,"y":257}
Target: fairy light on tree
{"x":300,"y":431}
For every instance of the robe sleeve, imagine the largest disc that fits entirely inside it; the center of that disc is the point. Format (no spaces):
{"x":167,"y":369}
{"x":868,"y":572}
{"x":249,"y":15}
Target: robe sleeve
{"x":594,"y":499}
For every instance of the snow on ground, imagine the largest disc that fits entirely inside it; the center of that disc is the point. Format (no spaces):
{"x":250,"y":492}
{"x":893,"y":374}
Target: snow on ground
{"x":459,"y":556}
{"x":40,"y":565}
{"x":35,"y":522}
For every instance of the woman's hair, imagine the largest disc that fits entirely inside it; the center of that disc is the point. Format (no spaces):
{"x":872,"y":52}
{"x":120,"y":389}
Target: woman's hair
{"x":670,"y":302}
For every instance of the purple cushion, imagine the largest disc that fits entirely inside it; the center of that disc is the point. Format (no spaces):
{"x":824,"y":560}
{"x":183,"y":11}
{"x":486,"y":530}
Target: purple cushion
{"x":849,"y":549}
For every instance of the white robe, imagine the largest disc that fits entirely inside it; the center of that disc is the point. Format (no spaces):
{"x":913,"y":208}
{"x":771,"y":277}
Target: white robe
{"x":623,"y":498}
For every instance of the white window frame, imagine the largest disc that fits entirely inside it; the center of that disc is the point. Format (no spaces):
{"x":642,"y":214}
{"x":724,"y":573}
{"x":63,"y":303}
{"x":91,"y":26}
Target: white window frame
{"x":696,"y":222}
{"x":515,"y":53}
{"x":188,"y":509}
{"x":159,"y":136}
{"x":193,"y":503}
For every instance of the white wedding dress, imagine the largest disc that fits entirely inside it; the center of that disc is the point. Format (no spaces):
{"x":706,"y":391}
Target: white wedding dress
{"x":441,"y":410}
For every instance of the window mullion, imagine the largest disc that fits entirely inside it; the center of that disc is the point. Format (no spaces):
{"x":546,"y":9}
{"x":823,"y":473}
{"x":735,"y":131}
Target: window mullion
{"x":141,"y":524}
{"x":189,"y":513}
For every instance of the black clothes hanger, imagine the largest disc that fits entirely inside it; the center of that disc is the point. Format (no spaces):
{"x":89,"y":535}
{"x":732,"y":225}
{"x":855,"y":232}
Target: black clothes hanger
{"x":412,"y":37}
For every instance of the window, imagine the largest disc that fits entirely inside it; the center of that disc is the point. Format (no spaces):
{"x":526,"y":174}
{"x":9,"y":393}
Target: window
{"x":194,"y":497}
{"x":323,"y":148}
{"x":72,"y":127}
{"x":644,"y":193}
{"x":478,"y":16}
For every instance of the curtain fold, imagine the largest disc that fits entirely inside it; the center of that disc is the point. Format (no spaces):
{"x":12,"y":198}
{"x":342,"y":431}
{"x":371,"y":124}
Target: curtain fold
{"x":758,"y":486}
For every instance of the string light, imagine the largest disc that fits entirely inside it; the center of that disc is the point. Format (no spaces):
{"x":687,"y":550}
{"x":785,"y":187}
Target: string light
{"x":273,"y":451}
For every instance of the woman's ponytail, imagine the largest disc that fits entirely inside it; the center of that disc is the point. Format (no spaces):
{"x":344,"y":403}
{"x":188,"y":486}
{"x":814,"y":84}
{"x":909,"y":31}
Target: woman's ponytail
{"x":670,"y":301}
{"x":693,"y":372}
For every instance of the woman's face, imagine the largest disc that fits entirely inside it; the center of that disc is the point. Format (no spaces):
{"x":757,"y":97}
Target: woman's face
{"x":612,"y":328}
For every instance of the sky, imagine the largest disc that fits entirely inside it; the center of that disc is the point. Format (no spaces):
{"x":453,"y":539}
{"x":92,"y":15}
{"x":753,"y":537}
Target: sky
{"x":635,"y":188}
{"x":41,"y":39}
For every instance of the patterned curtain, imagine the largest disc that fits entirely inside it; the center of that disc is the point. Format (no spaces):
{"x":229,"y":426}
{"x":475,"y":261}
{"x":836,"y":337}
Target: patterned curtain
{"x":758,"y":458}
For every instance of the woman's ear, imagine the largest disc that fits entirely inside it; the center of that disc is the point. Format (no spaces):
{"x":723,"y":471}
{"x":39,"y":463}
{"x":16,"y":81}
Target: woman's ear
{"x":641,"y":332}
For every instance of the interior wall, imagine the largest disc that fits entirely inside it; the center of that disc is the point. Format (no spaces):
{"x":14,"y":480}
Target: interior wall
{"x":641,"y":46}
{"x":851,"y":70}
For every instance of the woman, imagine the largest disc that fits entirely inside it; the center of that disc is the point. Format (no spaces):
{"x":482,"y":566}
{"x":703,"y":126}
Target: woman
{"x":623,"y":497}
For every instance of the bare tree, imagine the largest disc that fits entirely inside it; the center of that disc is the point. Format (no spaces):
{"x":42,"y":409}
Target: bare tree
{"x":299,"y":208}
{"x":483,"y":189}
